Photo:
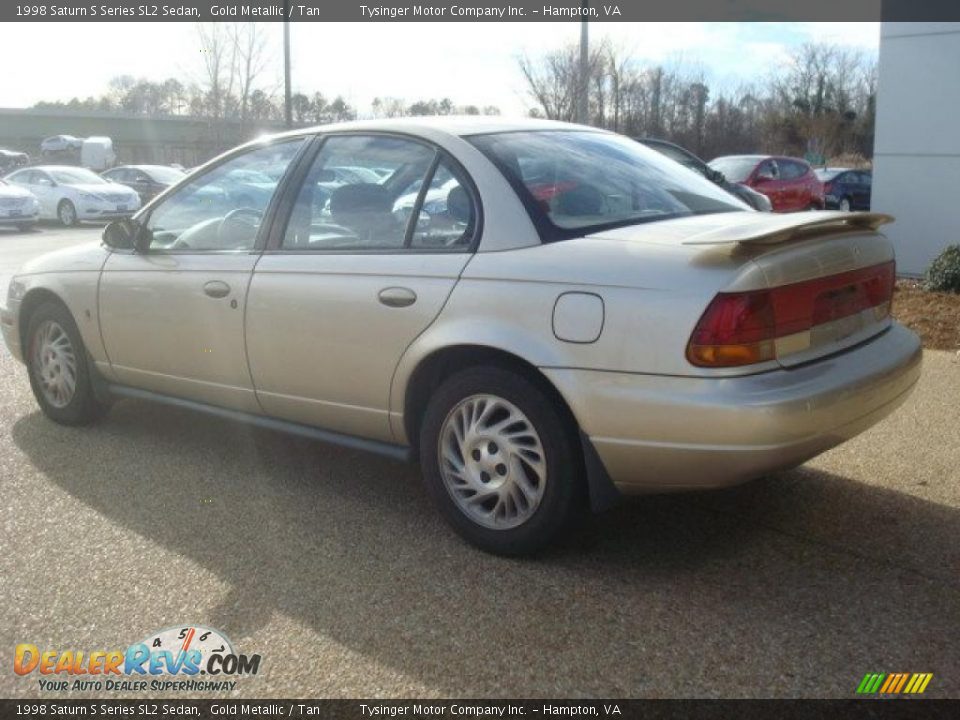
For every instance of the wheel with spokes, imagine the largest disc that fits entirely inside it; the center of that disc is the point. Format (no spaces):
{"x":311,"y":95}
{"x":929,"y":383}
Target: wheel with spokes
{"x":67,"y":213}
{"x":58,"y":366}
{"x":501,"y":460}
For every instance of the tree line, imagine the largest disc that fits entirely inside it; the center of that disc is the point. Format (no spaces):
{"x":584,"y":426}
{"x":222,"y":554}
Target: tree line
{"x":822,"y":101}
{"x":233,"y":84}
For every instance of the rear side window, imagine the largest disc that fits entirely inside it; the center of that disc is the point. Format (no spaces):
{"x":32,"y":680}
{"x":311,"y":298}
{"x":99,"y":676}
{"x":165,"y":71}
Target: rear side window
{"x":380,"y":193}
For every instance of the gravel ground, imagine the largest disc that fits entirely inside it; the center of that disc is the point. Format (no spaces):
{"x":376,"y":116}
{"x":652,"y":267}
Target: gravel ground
{"x":334,"y":567}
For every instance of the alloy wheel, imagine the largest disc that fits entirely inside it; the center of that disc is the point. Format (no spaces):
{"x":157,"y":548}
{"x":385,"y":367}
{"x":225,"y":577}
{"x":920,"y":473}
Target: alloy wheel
{"x":67,"y":214}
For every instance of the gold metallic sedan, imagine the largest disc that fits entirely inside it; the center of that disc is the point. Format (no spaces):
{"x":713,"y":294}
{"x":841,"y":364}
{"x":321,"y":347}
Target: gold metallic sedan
{"x":547,"y":316}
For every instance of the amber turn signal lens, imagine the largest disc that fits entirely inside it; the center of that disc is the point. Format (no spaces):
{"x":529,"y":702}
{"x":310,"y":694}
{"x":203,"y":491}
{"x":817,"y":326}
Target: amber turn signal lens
{"x":731,"y":355}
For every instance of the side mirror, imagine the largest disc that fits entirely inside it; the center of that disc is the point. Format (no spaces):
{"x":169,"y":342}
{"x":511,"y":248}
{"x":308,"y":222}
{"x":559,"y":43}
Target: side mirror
{"x":125,"y":234}
{"x":716,"y":177}
{"x":765,"y":176}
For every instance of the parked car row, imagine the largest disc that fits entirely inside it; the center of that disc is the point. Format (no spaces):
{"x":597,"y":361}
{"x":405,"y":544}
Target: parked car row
{"x":72,"y":194}
{"x":776,"y":183}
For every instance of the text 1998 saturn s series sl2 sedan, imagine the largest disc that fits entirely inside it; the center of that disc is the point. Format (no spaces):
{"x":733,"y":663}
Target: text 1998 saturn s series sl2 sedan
{"x":546,"y":315}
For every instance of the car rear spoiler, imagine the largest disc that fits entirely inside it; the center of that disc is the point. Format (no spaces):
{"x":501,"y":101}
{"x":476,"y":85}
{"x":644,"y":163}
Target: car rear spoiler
{"x":767,"y":229}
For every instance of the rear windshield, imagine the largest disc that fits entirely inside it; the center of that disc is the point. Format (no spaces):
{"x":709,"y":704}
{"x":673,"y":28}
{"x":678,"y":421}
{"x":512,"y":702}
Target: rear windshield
{"x":575,"y":182}
{"x":735,"y":169}
{"x":164,"y":174}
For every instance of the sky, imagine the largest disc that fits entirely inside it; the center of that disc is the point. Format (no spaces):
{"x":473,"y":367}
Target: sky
{"x":471,"y":63}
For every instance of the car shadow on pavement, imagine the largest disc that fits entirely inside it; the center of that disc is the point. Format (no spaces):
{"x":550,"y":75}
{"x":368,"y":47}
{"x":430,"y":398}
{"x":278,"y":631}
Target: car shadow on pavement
{"x":794,"y":585}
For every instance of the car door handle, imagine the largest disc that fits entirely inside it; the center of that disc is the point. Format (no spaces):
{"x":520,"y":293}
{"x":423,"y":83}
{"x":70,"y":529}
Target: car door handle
{"x":216,"y":289}
{"x":397,"y":296}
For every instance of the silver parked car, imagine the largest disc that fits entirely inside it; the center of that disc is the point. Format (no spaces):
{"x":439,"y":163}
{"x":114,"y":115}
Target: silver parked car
{"x":577,"y":318}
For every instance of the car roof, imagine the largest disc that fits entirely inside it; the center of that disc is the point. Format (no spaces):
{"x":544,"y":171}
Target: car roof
{"x":138,"y":167}
{"x":455,"y":125}
{"x":49,"y":168}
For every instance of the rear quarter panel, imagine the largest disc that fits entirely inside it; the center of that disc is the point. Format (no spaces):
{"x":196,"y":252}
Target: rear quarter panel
{"x":652,"y":297}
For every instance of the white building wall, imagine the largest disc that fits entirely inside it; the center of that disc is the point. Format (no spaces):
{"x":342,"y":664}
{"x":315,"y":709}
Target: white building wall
{"x":916,"y":175}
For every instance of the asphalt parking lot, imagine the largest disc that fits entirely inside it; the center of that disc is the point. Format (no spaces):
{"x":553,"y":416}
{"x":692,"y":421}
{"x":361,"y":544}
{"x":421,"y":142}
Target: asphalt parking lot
{"x":334,"y":567}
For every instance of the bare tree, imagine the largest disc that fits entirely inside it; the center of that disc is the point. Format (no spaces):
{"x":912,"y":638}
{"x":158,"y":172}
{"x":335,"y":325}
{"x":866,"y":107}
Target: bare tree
{"x":249,"y":45}
{"x":219,"y":54}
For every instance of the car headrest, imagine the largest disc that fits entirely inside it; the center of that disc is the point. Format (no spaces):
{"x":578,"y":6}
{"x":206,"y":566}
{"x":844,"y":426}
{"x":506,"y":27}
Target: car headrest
{"x":359,"y":198}
{"x":459,"y":206}
{"x":581,"y":200}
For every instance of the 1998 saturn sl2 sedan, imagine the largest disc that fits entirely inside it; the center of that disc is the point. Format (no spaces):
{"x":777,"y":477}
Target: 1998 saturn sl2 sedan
{"x":547,"y":315}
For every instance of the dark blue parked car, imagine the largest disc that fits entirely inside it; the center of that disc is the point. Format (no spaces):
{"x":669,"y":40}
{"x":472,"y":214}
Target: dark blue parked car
{"x":845,"y":189}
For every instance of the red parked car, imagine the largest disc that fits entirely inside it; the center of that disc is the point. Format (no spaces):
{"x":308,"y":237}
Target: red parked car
{"x":790,"y":183}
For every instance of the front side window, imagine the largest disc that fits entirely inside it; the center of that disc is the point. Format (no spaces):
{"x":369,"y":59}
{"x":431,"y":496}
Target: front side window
{"x":575,"y":182}
{"x":222,"y":209}
{"x":347,"y":205}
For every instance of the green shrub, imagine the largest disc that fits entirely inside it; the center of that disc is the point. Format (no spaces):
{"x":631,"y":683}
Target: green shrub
{"x":944,"y":272}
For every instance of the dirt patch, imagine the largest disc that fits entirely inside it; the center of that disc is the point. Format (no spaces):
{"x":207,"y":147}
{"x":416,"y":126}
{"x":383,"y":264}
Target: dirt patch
{"x":934,"y":316}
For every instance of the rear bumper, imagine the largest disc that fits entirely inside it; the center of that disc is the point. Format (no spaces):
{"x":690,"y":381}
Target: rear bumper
{"x":659,"y":434}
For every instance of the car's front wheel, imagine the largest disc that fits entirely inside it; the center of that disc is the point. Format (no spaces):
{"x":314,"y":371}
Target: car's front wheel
{"x":59,"y":370}
{"x":501,"y":459}
{"x":67,"y":213}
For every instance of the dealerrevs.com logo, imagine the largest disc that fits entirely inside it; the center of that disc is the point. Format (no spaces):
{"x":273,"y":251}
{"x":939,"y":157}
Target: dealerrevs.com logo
{"x":187,"y":659}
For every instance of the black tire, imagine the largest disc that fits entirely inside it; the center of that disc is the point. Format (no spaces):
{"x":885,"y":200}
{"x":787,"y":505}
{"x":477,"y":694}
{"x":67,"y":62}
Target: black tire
{"x":83,"y":407}
{"x":63,"y":208}
{"x":563,"y":498}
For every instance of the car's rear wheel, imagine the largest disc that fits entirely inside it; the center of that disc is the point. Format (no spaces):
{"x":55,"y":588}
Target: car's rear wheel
{"x":67,"y":213}
{"x":501,"y":460}
{"x":845,"y":204}
{"x":58,"y":366}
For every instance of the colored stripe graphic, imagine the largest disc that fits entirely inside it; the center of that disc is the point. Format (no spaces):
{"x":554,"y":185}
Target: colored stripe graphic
{"x":894,"y":683}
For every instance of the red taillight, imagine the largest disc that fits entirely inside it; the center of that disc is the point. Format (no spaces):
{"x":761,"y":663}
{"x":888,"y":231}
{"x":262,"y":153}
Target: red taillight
{"x":743,"y":328}
{"x":828,"y":188}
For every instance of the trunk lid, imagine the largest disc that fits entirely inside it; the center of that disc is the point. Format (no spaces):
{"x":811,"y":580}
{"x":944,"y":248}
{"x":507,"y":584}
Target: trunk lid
{"x":822,"y":277}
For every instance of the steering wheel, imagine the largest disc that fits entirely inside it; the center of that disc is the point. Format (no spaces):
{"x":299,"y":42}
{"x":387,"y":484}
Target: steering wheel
{"x":244,"y":219}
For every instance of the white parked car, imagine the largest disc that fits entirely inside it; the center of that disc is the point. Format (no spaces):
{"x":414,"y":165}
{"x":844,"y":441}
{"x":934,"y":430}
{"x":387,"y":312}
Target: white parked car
{"x":59,"y":144}
{"x":72,"y":194}
{"x":580,"y":317}
{"x":18,"y":206}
